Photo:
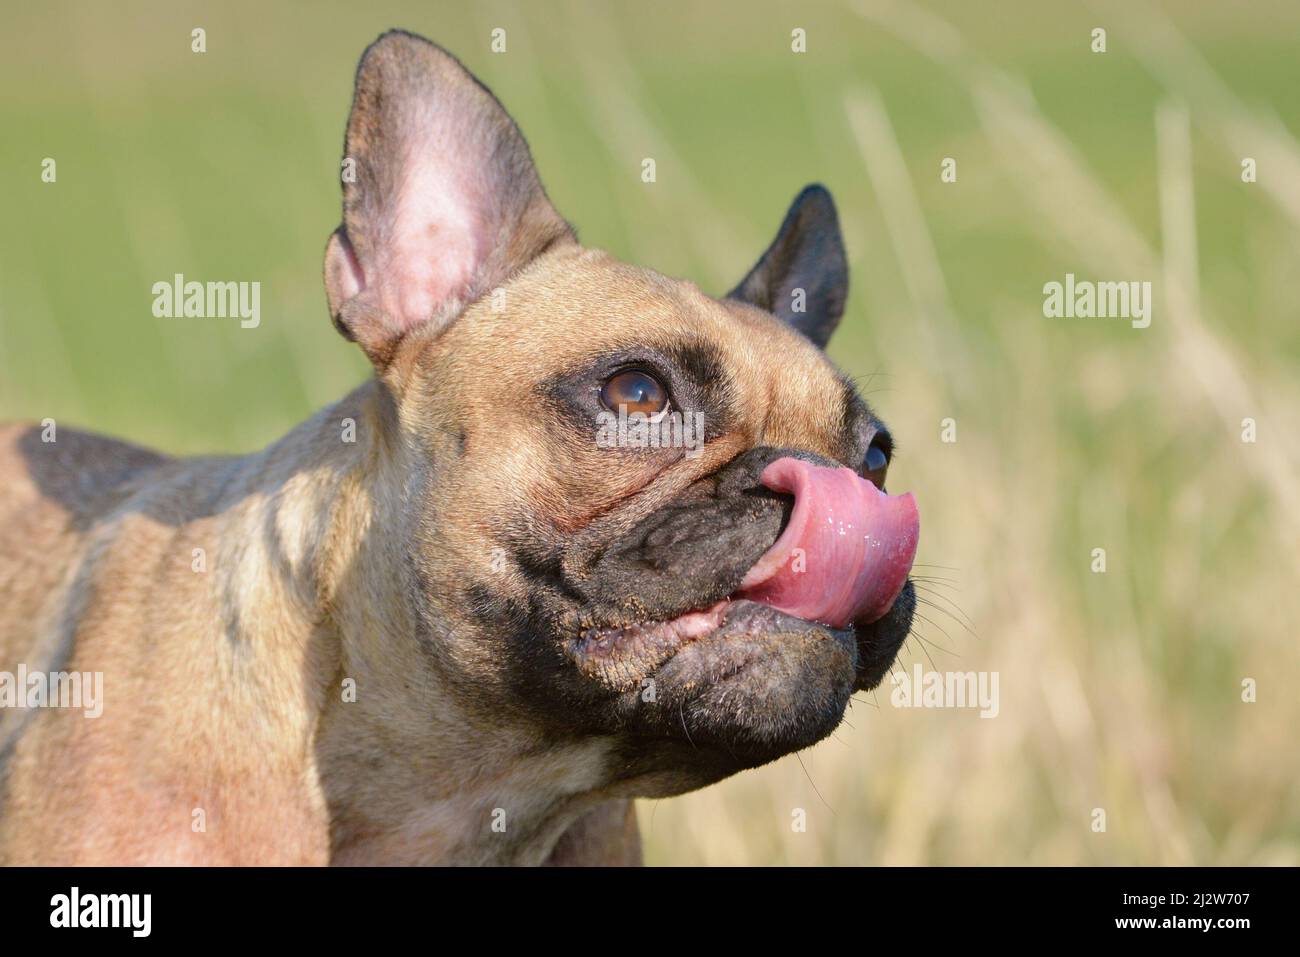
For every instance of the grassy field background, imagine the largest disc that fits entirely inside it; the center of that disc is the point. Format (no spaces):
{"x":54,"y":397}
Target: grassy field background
{"x":1120,"y":691}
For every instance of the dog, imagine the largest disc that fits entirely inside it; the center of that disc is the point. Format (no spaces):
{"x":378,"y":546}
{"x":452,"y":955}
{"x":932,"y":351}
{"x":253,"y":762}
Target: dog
{"x":439,"y":622}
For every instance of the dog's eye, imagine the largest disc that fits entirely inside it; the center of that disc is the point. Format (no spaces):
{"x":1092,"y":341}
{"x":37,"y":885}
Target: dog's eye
{"x":875,"y":465}
{"x":636,"y":390}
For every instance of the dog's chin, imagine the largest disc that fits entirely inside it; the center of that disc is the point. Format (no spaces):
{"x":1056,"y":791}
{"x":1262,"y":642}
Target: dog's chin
{"x":731,"y":687}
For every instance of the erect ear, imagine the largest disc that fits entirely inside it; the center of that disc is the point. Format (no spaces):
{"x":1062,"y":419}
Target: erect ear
{"x":441,"y":201}
{"x":803,"y":278}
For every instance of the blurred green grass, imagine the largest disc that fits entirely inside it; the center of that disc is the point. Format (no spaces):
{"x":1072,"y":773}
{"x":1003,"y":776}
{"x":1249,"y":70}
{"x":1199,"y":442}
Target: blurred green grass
{"x":1119,"y":691}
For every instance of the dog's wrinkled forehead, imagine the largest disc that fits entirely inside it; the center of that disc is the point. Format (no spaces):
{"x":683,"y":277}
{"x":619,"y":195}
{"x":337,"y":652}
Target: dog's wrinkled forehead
{"x":577,"y":315}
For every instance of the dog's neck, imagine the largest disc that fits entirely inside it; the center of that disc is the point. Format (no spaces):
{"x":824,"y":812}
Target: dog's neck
{"x":405,"y":775}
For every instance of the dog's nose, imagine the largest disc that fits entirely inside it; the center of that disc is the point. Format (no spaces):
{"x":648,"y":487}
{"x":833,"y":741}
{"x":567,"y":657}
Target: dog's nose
{"x":745,"y":472}
{"x":846,"y":550}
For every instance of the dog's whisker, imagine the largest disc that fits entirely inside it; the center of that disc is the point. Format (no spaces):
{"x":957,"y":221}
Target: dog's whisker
{"x":682,"y":715}
{"x":941,"y":631}
{"x":935,"y":645}
{"x":933,"y":576}
{"x":864,"y":390}
{"x":930,"y":598}
{"x":936,"y":582}
{"x":926,"y":645}
{"x":799,"y":757}
{"x":924,"y":650}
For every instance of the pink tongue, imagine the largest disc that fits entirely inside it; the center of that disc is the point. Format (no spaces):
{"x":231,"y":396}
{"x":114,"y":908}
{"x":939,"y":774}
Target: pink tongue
{"x":846,"y":551}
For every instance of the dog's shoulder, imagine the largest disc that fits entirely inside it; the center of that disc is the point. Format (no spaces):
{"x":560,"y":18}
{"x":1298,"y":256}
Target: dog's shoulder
{"x":77,"y":474}
{"x":55,"y":484}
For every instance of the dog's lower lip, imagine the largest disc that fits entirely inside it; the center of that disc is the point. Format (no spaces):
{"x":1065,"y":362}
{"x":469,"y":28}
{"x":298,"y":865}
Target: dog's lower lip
{"x":685,"y":627}
{"x":672,"y":632}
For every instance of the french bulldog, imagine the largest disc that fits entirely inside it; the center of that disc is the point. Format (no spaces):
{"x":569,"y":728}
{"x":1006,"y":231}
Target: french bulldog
{"x":440,"y":621}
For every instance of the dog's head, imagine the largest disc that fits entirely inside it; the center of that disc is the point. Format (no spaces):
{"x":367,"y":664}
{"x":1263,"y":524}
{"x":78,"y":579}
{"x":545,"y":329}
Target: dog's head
{"x":632,"y":511}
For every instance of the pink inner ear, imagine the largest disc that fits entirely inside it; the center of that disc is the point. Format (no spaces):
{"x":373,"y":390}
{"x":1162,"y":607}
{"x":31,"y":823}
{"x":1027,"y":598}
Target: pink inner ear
{"x":345,"y":270}
{"x":437,"y":240}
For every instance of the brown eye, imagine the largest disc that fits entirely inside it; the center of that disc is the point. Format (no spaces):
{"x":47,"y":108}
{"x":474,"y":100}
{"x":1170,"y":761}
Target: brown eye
{"x":875,"y":465}
{"x":636,"y":390}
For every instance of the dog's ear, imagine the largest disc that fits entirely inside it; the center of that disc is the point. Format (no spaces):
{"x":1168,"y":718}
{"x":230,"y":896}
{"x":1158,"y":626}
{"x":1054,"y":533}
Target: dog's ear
{"x":803,"y":278}
{"x":441,"y":201}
